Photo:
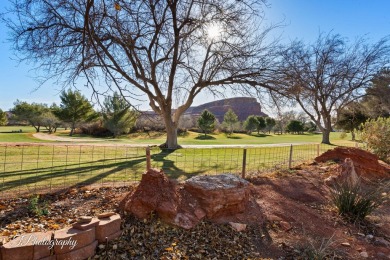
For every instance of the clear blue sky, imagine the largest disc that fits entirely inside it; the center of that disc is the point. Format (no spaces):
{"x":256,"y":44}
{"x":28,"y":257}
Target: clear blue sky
{"x":303,"y":19}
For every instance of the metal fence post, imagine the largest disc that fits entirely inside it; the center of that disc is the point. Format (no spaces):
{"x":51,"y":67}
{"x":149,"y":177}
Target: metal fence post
{"x":148,"y":158}
{"x":243,"y":164}
{"x":290,"y":158}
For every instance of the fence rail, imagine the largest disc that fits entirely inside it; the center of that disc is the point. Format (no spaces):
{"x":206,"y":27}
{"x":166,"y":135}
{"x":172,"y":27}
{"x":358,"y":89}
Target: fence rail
{"x":29,"y":169}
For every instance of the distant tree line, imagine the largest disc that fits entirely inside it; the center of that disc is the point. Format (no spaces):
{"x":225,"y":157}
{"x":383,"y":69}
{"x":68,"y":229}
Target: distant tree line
{"x":76,"y":112}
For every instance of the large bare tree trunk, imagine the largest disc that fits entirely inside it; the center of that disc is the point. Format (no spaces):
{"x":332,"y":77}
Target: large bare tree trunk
{"x":327,"y":129}
{"x":171,"y":141}
{"x":326,"y":136}
{"x":171,"y":129}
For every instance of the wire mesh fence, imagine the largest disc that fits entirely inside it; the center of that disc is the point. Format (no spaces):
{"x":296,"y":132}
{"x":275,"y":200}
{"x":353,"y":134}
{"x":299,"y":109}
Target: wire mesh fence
{"x":29,"y":169}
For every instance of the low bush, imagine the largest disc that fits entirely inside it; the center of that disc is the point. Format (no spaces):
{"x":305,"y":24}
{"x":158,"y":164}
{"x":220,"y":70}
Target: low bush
{"x":354,"y":202}
{"x":376,"y":133}
{"x":37,"y":207}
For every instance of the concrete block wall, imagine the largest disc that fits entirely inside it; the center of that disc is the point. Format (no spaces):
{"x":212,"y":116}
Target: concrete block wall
{"x":73,"y":243}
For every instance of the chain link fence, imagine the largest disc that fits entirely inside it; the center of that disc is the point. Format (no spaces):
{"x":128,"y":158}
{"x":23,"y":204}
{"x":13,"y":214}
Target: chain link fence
{"x":29,"y":169}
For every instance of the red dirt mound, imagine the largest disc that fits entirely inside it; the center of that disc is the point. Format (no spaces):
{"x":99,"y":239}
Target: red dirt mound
{"x":367,"y":165}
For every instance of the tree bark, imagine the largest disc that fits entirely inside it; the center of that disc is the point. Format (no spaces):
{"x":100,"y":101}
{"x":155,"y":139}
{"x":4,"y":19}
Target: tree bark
{"x":353,"y":135}
{"x":171,"y":128}
{"x":326,"y":136}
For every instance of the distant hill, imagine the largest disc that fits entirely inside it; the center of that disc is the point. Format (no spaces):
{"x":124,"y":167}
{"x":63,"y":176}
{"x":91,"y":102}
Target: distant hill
{"x":242,"y":106}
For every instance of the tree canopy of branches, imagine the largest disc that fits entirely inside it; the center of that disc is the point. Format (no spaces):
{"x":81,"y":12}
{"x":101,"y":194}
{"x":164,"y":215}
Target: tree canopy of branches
{"x":325,"y":76}
{"x":74,"y":109}
{"x":165,"y":50}
{"x":261,"y":124}
{"x":3,"y":118}
{"x":117,"y":115}
{"x":31,"y":113}
{"x":270,"y":123}
{"x":250,"y":124}
{"x":377,"y":99}
{"x":206,"y":122}
{"x":230,"y":120}
{"x":295,"y":126}
{"x":351,"y":117}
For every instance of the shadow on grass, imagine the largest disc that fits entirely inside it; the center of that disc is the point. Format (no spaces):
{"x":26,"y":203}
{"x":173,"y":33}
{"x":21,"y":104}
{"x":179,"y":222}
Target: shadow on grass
{"x":69,"y":175}
{"x":205,"y":137}
{"x":233,"y":137}
{"x":260,"y":135}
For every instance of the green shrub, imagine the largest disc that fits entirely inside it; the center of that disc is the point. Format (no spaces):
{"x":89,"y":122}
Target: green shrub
{"x":376,"y":133}
{"x":36,"y":207}
{"x":353,"y":202}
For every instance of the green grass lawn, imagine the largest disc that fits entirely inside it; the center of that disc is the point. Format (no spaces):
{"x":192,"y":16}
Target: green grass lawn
{"x":189,"y":138}
{"x":9,"y":134}
{"x":193,"y":138}
{"x":31,"y":168}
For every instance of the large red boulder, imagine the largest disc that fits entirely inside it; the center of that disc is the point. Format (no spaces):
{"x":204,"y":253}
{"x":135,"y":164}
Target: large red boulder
{"x":154,"y":193}
{"x":366,"y":164}
{"x":219,"y":195}
{"x":220,"y":198}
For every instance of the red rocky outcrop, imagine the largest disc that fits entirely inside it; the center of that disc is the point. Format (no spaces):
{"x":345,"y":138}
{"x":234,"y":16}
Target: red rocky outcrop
{"x":366,"y":164}
{"x":221,"y":198}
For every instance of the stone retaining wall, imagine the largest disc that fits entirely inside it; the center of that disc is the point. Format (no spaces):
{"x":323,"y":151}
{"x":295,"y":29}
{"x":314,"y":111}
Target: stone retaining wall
{"x":73,"y":243}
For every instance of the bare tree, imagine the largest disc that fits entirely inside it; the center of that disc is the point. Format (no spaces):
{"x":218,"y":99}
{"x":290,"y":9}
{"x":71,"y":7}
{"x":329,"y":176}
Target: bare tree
{"x":163,"y":49}
{"x":325,"y":76}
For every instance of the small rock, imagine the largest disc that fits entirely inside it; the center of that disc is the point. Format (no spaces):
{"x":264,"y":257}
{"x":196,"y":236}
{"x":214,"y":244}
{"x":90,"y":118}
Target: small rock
{"x":106,"y":214}
{"x":102,"y":246}
{"x":380,"y":241}
{"x":84,"y":219}
{"x":346,"y":244}
{"x":238,"y":226}
{"x":115,"y":247}
{"x":285,"y":225}
{"x":369,"y":237}
{"x":364,"y":254}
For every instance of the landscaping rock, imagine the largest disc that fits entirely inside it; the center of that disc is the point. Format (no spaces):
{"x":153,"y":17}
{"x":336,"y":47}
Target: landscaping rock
{"x":72,"y":239}
{"x":347,"y":175}
{"x":28,"y":246}
{"x":84,"y":226}
{"x":238,"y":226}
{"x":79,"y":254}
{"x":219,"y":195}
{"x":108,"y":228}
{"x":106,"y":214}
{"x":380,"y":241}
{"x":366,"y":164}
{"x":285,"y":226}
{"x":221,"y":198}
{"x":84,"y":219}
{"x":154,"y":193}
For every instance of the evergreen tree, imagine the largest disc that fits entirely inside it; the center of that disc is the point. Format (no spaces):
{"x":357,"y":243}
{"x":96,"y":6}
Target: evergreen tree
{"x":206,"y":122}
{"x":250,"y":124}
{"x":117,"y":115}
{"x":295,"y":126}
{"x":260,"y":124}
{"x":270,"y":124}
{"x":74,"y":109}
{"x":230,"y":120}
